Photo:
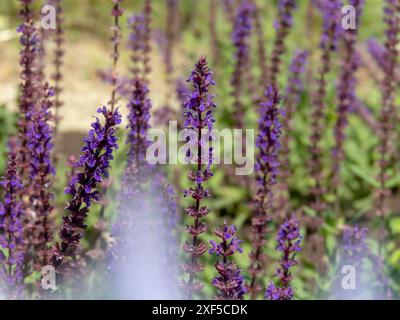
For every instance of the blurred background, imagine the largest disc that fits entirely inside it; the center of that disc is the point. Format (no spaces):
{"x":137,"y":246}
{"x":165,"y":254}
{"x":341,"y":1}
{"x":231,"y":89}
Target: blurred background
{"x":87,"y":51}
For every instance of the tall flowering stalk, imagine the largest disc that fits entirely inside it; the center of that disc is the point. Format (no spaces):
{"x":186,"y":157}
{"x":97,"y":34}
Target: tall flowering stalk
{"x":198,"y":114}
{"x":388,"y":114}
{"x":346,"y":93}
{"x":91,"y":168}
{"x":147,"y":13}
{"x":229,"y":282}
{"x":267,"y":164}
{"x":41,"y":173}
{"x":282,"y":27}
{"x":262,"y":55}
{"x":212,"y":25}
{"x":378,"y":52}
{"x":11,"y":229}
{"x":229,"y":9}
{"x":139,"y":117}
{"x":136,"y":24}
{"x":289,"y":243}
{"x":331,"y":15}
{"x":28,"y":54}
{"x":58,"y":61}
{"x":171,"y":29}
{"x":293,"y":92}
{"x":116,"y":12}
{"x":241,"y":37}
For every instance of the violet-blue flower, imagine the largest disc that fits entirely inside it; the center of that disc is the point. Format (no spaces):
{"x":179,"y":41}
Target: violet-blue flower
{"x":198,"y":114}
{"x":289,"y":243}
{"x":91,"y":168}
{"x":229,"y":282}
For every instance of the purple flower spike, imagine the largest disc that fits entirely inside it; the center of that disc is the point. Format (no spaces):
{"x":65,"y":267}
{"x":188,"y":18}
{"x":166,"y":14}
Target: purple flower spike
{"x":388,"y":115}
{"x":291,"y":101}
{"x":11,"y":229}
{"x":241,"y":40}
{"x":267,"y":165}
{"x":346,"y":94}
{"x":282,"y":26}
{"x":116,"y":12}
{"x":229,"y":282}
{"x":136,"y":24}
{"x":58,"y":61}
{"x":41,"y":172}
{"x":289,"y":243}
{"x":147,"y":13}
{"x":90,"y":170}
{"x":28,"y":87}
{"x":331,"y":11}
{"x":198,"y":114}
{"x":139,"y":116}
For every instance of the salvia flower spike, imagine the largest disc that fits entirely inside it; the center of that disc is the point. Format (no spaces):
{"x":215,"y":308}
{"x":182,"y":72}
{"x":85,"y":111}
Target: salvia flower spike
{"x":135,"y":44}
{"x":198,"y":114}
{"x":289,"y":243}
{"x":11,"y":230}
{"x":59,"y":52}
{"x":229,"y":282}
{"x":138,"y":123}
{"x":283,"y":25}
{"x":41,"y":173}
{"x":28,"y":54}
{"x":267,"y":164}
{"x":90,"y":170}
{"x":147,"y":14}
{"x":116,"y":12}
{"x":241,"y":40}
{"x":331,"y":16}
{"x":388,"y":114}
{"x":291,"y":101}
{"x":346,"y":93}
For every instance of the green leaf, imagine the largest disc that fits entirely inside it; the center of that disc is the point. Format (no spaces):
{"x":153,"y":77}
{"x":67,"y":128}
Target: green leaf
{"x":395,"y":225}
{"x":364,"y":175}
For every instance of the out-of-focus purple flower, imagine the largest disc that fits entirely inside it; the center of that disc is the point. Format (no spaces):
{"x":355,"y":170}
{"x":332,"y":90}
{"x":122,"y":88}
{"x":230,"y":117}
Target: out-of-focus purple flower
{"x":58,"y":61}
{"x":241,"y":37}
{"x":346,"y":94}
{"x":355,"y":252}
{"x":11,"y":229}
{"x":91,"y":168}
{"x":267,"y":164}
{"x":198,"y":114}
{"x":262,"y":55}
{"x":136,"y":24}
{"x":28,"y":87}
{"x":377,"y":51}
{"x":282,"y":26}
{"x":147,"y":13}
{"x":182,"y":92}
{"x":171,"y":30}
{"x":293,"y":92}
{"x":139,"y":116}
{"x":116,"y":12}
{"x":229,"y":9}
{"x":42,"y":170}
{"x":229,"y":282}
{"x":289,"y":243}
{"x":331,"y":11}
{"x":355,"y":247}
{"x":388,"y":115}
